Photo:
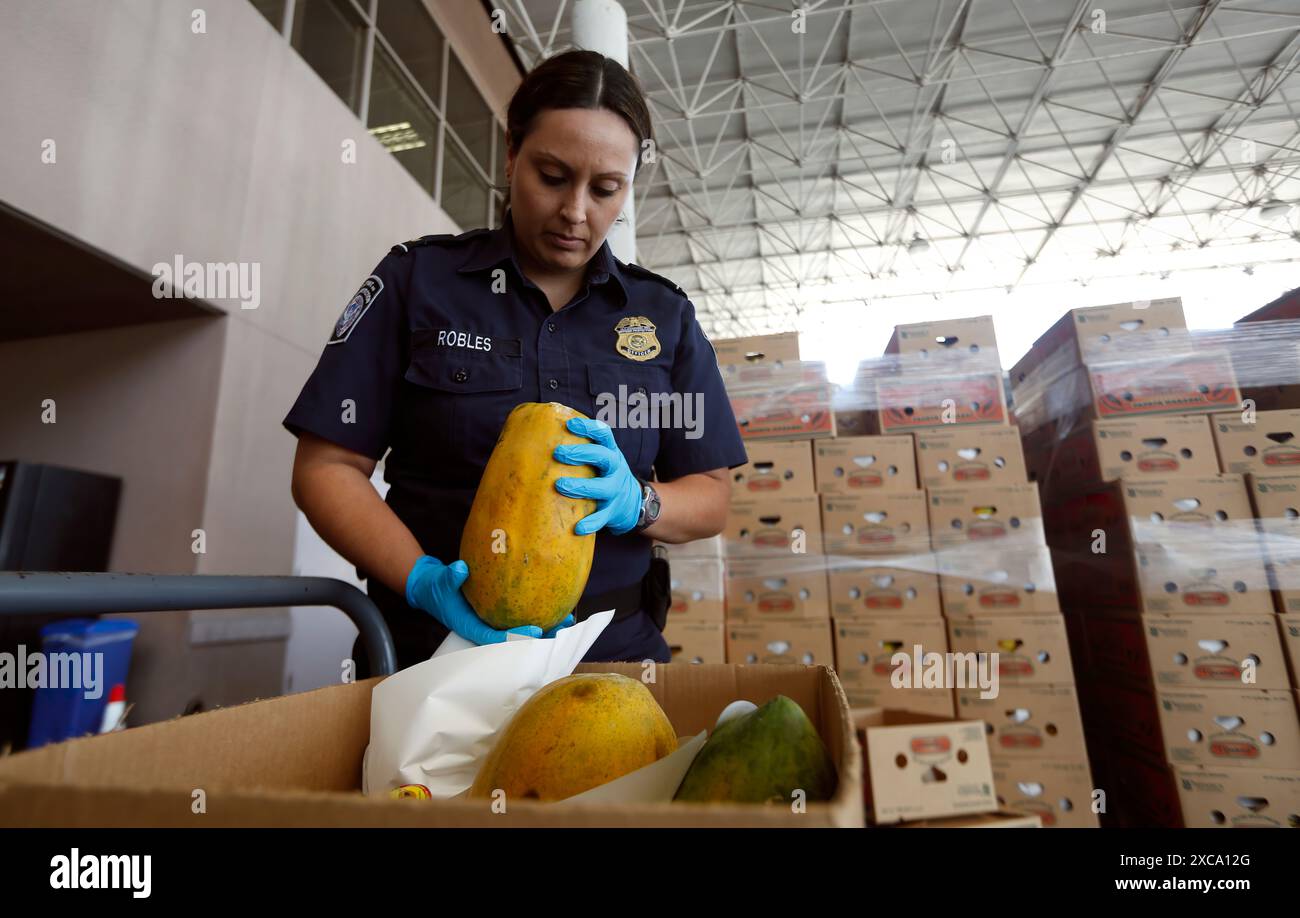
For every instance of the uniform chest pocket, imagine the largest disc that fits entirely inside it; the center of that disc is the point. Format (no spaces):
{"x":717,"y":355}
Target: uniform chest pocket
{"x":460,"y":397}
{"x":465,"y":370}
{"x":636,"y":402}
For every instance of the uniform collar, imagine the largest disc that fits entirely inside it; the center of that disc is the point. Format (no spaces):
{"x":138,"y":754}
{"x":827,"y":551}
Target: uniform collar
{"x":497,"y":246}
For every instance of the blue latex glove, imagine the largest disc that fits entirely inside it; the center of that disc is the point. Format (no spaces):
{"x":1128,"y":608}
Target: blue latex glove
{"x":616,"y":491}
{"x":567,"y":623}
{"x":435,"y":588}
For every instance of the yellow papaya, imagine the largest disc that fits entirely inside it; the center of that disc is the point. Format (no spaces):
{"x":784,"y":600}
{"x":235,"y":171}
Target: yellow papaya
{"x":574,"y":734}
{"x":526,"y":564}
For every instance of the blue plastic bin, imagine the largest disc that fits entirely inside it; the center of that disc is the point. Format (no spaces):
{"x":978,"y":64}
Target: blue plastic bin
{"x":66,"y":711}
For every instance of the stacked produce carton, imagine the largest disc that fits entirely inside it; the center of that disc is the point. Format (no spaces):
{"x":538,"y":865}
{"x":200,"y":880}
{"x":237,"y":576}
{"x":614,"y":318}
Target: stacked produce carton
{"x":996,"y":584}
{"x":1160,"y":567}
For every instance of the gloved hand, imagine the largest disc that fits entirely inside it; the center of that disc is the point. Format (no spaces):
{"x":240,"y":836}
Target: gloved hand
{"x":435,"y":588}
{"x":567,"y":623}
{"x":616,"y":491}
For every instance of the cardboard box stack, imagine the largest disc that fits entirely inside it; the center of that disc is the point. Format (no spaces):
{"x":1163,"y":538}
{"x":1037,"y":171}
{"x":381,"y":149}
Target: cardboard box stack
{"x":775,"y":604}
{"x":1187,"y":699}
{"x":997,"y":590}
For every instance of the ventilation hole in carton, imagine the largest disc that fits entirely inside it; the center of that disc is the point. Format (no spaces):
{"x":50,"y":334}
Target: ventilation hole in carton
{"x":1126,"y":456}
{"x":1217,"y":817}
{"x":999,"y":462}
{"x":1239,"y":586}
{"x":1203,"y":389}
{"x":1229,"y":721}
{"x":875,"y":516}
{"x":764,"y":467}
{"x":1180,"y":658}
{"x":1031,"y":588}
{"x":1220,"y":515}
{"x":1154,"y":442}
{"x":882,"y":580}
{"x":988,"y":729}
{"x":956,"y":524}
{"x":1250,"y":451}
{"x":1018,"y":715}
{"x":862,"y":658}
{"x":909,"y":411}
{"x":905,"y":528}
{"x":974,"y":406}
{"x":999,"y":576}
{"x":1104,"y":339}
{"x":751,"y":657}
{"x":1164,"y":330}
{"x":910,"y":593}
{"x":1131,"y":324}
{"x":968,"y":452}
{"x":1211,"y":572}
{"x":943,"y":465}
{"x":1066,"y":804}
{"x":1171,"y":587}
{"x":787,"y":475}
{"x":770,"y":520}
{"x":1002,"y":801}
{"x":1187,"y":504}
{"x":749,"y":596}
{"x":864,"y":461}
{"x":900,"y":760}
{"x":1127,"y":396}
{"x":774,"y":583}
{"x":1293,"y":821}
{"x":1015,"y":522}
{"x":1282,"y":436}
{"x":934,"y":775}
{"x":1157,"y":517}
{"x":839,"y":472}
{"x":1266,"y":739}
{"x":697,"y":595}
{"x":807,"y":659}
{"x":1252,"y":658}
{"x":1213,"y":646}
{"x":891,"y":470}
{"x":974,"y":348}
{"x":804,"y":593}
{"x":1291,"y":513}
{"x":805,"y":418}
{"x":739,"y":476}
{"x":1051,"y":730}
{"x":1194,"y":735}
{"x":744,"y":533}
{"x":847,"y":529}
{"x":963,"y":756}
{"x":945,"y":340}
{"x":968,"y":589}
{"x":855,"y":593}
{"x":1042,"y":656}
{"x":778,"y":647}
{"x":1185,"y":453}
{"x":1030,"y":788}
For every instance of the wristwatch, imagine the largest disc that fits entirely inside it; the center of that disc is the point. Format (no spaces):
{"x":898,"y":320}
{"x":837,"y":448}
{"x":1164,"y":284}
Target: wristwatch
{"x":650,"y":506}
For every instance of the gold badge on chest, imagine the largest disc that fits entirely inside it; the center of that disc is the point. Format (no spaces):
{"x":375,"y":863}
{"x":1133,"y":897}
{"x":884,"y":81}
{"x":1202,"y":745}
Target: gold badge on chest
{"x":636,"y":338}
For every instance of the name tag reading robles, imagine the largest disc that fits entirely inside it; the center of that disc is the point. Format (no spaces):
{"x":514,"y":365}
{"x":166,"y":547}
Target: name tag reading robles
{"x":636,"y":338}
{"x":371,"y":287}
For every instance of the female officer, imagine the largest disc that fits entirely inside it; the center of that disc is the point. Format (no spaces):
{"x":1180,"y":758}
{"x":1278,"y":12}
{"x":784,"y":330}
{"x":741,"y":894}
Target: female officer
{"x":451,"y":332}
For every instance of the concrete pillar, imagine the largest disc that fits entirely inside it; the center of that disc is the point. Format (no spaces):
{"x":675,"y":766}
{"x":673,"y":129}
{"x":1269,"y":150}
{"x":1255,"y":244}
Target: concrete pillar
{"x":601,"y":25}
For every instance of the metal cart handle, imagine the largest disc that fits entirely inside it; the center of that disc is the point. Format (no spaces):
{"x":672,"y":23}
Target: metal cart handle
{"x":33,"y":593}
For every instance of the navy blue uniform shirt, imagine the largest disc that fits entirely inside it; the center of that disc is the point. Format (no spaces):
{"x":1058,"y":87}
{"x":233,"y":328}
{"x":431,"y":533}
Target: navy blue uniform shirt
{"x":447,"y":336}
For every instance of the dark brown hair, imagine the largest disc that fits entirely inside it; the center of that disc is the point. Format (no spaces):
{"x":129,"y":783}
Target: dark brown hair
{"x":579,"y":79}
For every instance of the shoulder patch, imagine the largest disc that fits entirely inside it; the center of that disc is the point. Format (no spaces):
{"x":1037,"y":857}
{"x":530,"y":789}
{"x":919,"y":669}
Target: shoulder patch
{"x":356,"y":308}
{"x":403,"y":248}
{"x":638,"y":271}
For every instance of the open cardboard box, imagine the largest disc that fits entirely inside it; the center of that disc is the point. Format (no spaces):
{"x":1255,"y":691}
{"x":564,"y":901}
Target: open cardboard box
{"x":920,"y":766}
{"x":296,"y":761}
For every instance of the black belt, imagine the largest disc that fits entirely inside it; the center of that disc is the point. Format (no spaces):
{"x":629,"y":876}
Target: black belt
{"x":651,"y":594}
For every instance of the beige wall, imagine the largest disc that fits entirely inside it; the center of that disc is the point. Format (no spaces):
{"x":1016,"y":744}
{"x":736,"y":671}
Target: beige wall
{"x":218,"y":147}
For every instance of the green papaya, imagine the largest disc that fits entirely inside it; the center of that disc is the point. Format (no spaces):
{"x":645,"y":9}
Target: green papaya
{"x":764,"y":755}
